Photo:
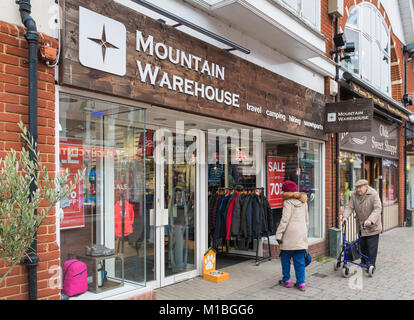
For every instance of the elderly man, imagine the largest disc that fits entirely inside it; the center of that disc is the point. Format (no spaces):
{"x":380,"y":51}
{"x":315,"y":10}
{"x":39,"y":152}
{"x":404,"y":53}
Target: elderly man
{"x":366,"y":203}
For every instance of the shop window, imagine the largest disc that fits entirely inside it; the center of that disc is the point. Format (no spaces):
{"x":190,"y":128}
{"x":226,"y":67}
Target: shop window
{"x":350,"y":173}
{"x":410,"y":182}
{"x":310,"y":182}
{"x":107,"y":207}
{"x":366,"y":27}
{"x":390,"y":194}
{"x":298,"y":161}
{"x":390,"y":176}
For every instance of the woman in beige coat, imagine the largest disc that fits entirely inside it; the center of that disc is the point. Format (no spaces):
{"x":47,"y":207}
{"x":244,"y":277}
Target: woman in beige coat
{"x":292,"y":234}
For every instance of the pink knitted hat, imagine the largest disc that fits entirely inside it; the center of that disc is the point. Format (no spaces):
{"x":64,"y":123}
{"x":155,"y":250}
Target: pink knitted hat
{"x":289,"y":186}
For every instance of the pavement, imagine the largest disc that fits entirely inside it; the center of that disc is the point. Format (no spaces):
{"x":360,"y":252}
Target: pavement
{"x":392,"y":280}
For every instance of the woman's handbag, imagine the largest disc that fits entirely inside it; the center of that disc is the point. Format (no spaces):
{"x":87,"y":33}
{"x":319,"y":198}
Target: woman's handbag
{"x":308,"y":258}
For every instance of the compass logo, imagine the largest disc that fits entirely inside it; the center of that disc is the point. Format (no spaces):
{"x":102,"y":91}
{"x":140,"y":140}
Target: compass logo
{"x":102,"y":42}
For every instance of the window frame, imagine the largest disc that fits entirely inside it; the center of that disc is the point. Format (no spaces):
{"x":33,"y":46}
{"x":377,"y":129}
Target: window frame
{"x":374,"y":38}
{"x":298,"y":11}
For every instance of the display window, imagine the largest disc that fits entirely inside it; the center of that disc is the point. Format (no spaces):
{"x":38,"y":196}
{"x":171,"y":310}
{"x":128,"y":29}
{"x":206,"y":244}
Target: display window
{"x":298,"y":161}
{"x":350,"y":173}
{"x":390,"y":176}
{"x":105,"y":213}
{"x":390,"y":193}
{"x":410,"y":182}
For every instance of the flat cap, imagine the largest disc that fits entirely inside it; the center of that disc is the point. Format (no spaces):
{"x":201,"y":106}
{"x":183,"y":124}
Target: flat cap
{"x":361,"y":182}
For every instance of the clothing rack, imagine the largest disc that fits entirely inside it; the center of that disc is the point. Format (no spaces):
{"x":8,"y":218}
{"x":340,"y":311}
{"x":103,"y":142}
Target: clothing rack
{"x":226,"y":250}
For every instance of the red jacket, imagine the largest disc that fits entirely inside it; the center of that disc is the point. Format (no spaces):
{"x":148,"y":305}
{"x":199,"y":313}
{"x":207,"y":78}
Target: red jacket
{"x":128,"y":219}
{"x":229,"y":216}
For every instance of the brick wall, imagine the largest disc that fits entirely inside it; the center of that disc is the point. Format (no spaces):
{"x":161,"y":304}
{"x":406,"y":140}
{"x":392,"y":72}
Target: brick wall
{"x":14,"y":107}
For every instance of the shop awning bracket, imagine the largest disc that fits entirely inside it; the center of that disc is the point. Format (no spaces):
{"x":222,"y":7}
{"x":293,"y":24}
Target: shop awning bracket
{"x":180,"y":21}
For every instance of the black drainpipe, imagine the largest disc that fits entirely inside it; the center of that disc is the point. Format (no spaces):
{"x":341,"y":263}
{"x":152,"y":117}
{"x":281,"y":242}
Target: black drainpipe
{"x":32,"y":39}
{"x":337,"y":168}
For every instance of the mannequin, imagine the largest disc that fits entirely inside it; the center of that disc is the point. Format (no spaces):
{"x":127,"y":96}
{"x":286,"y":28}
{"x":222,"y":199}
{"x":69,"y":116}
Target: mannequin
{"x":124,"y":218}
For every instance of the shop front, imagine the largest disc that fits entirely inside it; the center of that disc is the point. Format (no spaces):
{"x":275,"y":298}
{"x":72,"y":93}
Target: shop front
{"x":409,"y":171}
{"x":374,"y":155}
{"x":163,"y":124}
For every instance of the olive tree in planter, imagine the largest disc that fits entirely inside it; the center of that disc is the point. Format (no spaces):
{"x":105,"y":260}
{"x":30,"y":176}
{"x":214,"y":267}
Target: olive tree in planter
{"x":18,"y":221}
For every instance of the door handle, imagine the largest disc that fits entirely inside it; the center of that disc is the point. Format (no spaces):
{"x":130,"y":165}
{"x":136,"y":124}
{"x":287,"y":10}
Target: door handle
{"x":161,"y":217}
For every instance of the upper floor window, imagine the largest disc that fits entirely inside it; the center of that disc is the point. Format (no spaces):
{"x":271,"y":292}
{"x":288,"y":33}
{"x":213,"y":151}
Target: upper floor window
{"x":309,"y":10}
{"x":366,"y":27}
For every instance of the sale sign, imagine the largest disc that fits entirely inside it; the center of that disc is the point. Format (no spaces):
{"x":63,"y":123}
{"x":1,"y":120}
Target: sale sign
{"x":276,"y":168}
{"x":72,"y":206}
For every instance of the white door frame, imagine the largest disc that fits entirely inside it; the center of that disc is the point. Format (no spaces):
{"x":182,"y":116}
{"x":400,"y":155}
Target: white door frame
{"x":161,"y":215}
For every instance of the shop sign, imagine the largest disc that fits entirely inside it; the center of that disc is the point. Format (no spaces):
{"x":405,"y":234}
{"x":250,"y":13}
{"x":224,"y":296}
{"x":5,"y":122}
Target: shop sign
{"x":410,"y":146}
{"x":110,"y":48}
{"x":353,"y":115}
{"x":276,"y":168}
{"x":379,"y":102}
{"x":72,"y":206}
{"x":382,"y":140}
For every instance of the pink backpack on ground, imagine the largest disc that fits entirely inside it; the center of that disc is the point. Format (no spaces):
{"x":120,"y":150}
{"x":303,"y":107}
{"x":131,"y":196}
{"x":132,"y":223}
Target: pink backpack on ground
{"x":75,"y":277}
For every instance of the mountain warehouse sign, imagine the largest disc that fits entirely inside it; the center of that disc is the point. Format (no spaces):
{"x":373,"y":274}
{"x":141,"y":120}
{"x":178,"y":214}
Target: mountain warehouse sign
{"x":156,"y":77}
{"x":349,"y":116}
{"x":113,"y":49}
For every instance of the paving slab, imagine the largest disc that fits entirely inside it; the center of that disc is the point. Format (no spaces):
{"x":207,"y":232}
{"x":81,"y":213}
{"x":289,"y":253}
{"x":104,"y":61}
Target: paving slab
{"x":393,"y":279}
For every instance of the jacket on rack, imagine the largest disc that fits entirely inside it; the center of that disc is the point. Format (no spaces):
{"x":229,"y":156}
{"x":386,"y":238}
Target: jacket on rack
{"x":219,"y":221}
{"x":236,"y":219}
{"x":241,"y":215}
{"x":230,"y":215}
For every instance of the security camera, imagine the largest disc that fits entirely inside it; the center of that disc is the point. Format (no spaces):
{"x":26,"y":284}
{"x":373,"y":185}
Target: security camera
{"x":349,"y":47}
{"x":407,"y":100}
{"x":339,"y":40}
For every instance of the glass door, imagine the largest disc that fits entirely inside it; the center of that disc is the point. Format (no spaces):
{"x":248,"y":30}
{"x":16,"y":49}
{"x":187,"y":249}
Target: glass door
{"x":171,"y":186}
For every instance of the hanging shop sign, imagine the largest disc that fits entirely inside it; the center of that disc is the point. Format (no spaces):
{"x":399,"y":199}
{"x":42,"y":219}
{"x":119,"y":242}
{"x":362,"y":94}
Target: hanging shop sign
{"x":72,"y":206}
{"x":354,"y":115}
{"x":409,"y":147}
{"x":381,"y":141}
{"x":276,"y":168}
{"x":110,"y":48}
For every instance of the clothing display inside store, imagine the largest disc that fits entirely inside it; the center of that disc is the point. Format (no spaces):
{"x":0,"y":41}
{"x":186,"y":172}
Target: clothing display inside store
{"x":124,"y":218}
{"x":102,"y":222}
{"x":178,"y":229}
{"x":239,"y":214}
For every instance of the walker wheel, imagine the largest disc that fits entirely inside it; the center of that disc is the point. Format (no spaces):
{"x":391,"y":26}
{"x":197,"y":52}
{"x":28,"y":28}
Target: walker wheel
{"x":346,"y":272}
{"x":371,"y":271}
{"x":337,"y":265}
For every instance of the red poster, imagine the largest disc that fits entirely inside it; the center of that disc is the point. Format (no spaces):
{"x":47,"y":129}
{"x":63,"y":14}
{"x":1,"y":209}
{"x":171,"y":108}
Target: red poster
{"x":276,"y":168}
{"x":71,"y":157}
